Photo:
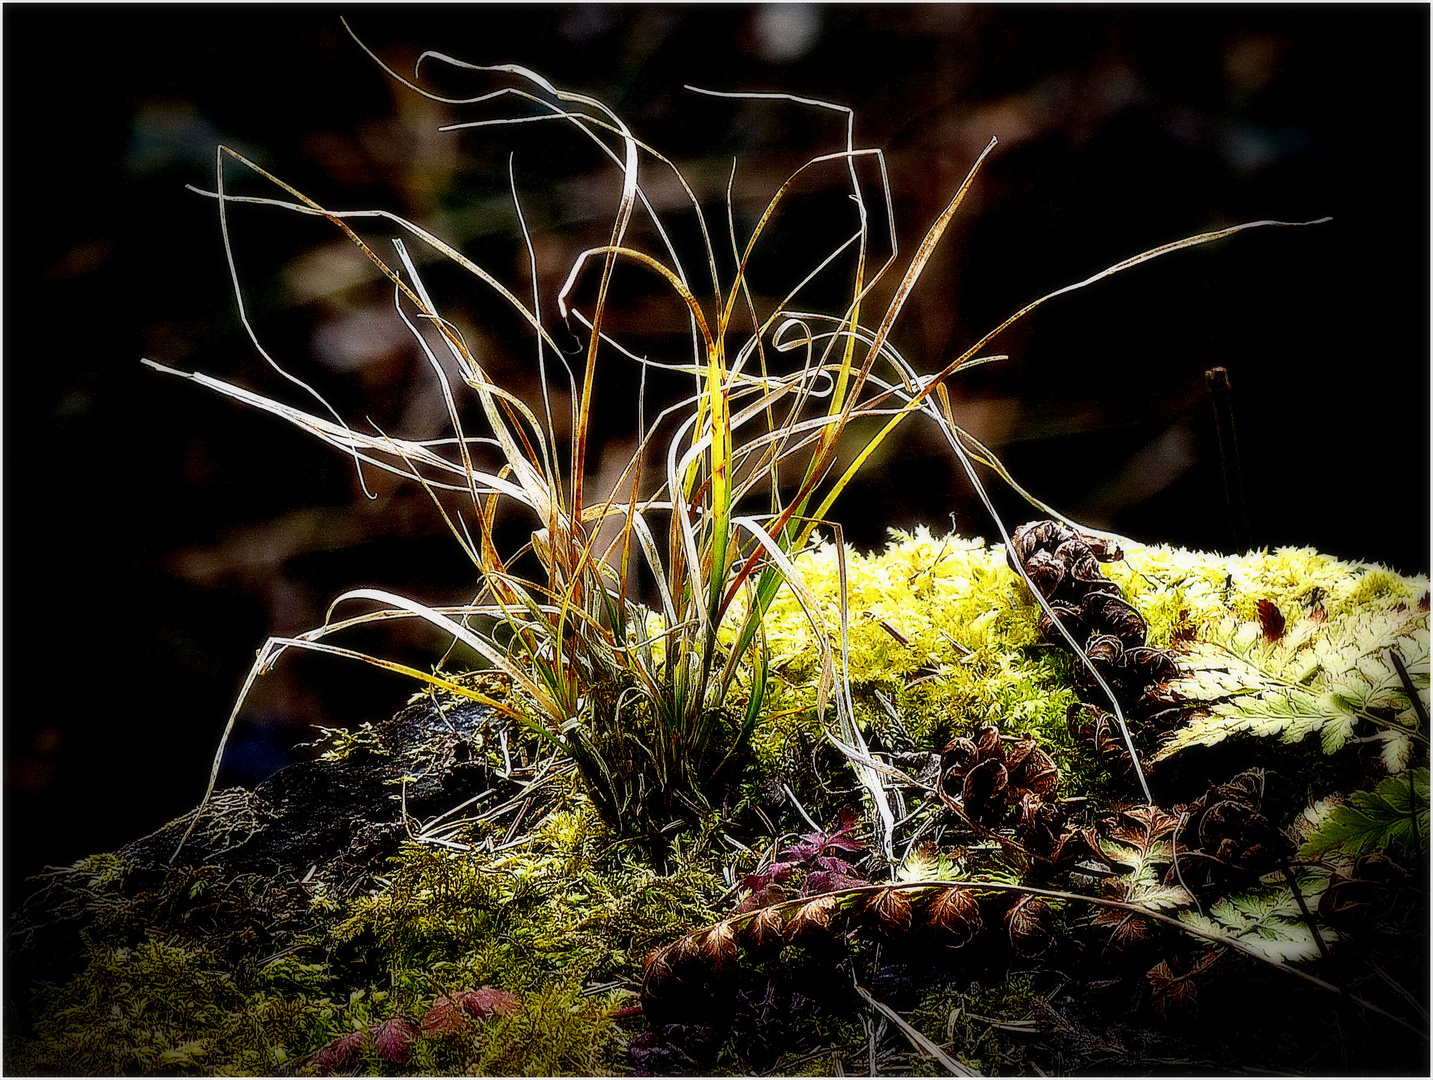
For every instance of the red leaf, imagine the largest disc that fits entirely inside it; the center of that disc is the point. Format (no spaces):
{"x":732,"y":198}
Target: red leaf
{"x":445,"y":1015}
{"x":489,"y":1002}
{"x":341,"y":1052}
{"x":1272,"y":620}
{"x":393,"y":1039}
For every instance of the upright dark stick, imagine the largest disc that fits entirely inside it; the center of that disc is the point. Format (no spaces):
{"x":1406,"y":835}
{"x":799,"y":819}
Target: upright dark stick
{"x":1218,"y":382}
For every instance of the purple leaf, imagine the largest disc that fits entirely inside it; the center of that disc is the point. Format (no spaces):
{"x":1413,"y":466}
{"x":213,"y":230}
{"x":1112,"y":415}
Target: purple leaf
{"x":836,"y":865}
{"x":824,"y":881}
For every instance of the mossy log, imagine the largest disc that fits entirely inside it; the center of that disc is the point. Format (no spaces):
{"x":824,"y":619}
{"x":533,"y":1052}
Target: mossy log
{"x":440,"y":894}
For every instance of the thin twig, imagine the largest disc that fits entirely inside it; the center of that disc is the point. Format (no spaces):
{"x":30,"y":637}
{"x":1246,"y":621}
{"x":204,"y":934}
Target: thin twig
{"x":1220,"y":397}
{"x":1414,"y":697}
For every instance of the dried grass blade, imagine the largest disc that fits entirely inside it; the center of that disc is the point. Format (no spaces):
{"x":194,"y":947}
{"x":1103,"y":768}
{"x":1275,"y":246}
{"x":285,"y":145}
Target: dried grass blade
{"x":918,"y":1040}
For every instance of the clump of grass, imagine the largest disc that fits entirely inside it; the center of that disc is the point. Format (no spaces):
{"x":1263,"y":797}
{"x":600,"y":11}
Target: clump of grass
{"x":656,"y":704}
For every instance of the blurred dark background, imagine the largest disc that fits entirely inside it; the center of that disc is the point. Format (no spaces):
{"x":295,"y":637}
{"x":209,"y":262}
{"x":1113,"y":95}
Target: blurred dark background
{"x":157,"y":533}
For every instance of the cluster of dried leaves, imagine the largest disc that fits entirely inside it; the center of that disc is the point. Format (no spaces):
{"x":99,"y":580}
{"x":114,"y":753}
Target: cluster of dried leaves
{"x":990,"y":780}
{"x":1064,"y":565}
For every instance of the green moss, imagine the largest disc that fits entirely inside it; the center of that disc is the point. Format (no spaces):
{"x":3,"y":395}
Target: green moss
{"x":557,"y":1032}
{"x":153,"y":1008}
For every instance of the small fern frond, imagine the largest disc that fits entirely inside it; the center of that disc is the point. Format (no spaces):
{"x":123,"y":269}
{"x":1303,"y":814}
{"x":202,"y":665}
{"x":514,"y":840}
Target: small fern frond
{"x":1267,"y":921}
{"x":1320,"y":677}
{"x":1395,"y":812}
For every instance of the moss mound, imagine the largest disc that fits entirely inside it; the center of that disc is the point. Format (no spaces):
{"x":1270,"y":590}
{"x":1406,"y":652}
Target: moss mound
{"x":441,"y":895}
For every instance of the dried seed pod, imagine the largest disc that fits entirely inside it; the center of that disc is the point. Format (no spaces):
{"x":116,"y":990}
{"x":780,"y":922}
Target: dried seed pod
{"x":1359,"y":893}
{"x":1227,"y":838}
{"x":1104,"y":653}
{"x":1028,"y":924}
{"x":1104,"y":549}
{"x":1036,"y":536}
{"x":1110,"y":748}
{"x":764,"y":933}
{"x":958,"y":756}
{"x":987,"y":742}
{"x":1092,"y":725}
{"x":1086,"y":576}
{"x":1016,"y":752}
{"x":1071,"y":550}
{"x":1080,"y":720}
{"x":1041,"y":824}
{"x":953,"y":914}
{"x":983,"y":791}
{"x":1145,"y":665}
{"x":1047,"y":573}
{"x":1070,"y":618}
{"x":1112,"y":615}
{"x":1036,"y":772}
{"x":887,"y":914}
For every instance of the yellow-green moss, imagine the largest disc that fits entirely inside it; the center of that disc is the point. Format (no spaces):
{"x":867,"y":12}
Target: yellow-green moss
{"x":945,"y":629}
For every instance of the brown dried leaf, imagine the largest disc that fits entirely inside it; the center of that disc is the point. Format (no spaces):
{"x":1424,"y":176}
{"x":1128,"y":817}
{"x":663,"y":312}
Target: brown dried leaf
{"x":718,"y":947}
{"x":954,"y":914}
{"x":888,"y":913}
{"x":1176,"y":991}
{"x":1125,"y":929}
{"x":1141,"y":826}
{"x":1028,"y":924}
{"x":1076,"y":845}
{"x":764,"y":932}
{"x":815,"y":920}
